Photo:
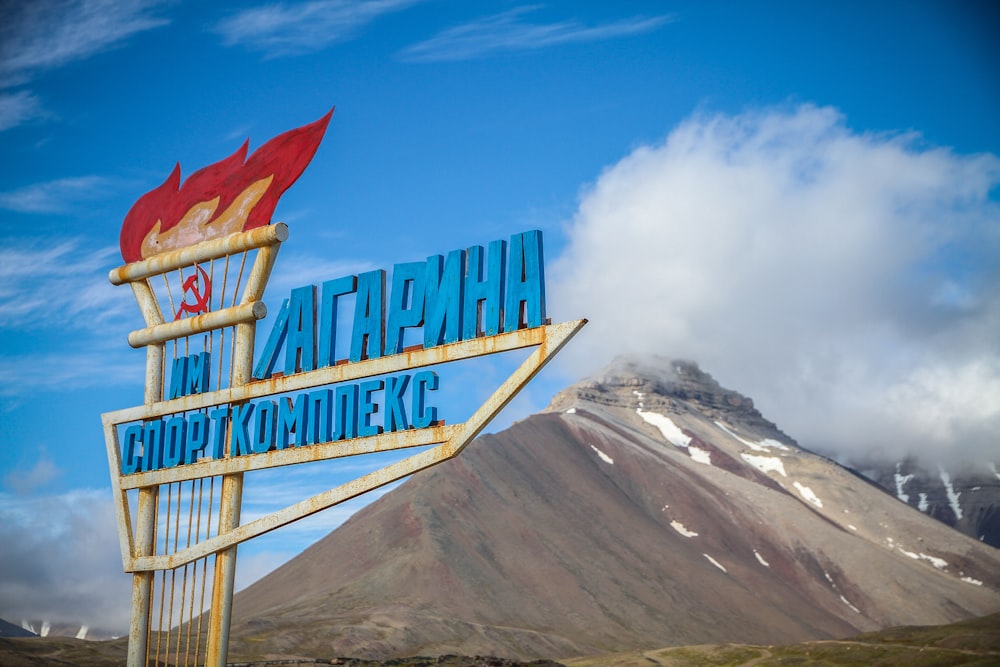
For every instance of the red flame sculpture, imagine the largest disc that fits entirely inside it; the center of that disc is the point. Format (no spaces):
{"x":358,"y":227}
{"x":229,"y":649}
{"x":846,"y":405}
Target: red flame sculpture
{"x":220,"y":199}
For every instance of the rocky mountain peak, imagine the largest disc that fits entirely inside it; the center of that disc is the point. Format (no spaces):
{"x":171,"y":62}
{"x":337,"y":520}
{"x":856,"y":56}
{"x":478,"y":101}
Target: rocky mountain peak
{"x":664,"y":384}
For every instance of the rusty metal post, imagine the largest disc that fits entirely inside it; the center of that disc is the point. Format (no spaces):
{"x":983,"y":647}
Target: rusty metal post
{"x":142,"y":582}
{"x":145,"y":526}
{"x":229,"y":511}
{"x":225,"y":574}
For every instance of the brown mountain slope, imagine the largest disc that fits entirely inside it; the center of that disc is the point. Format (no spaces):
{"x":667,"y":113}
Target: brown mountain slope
{"x":647,"y":507}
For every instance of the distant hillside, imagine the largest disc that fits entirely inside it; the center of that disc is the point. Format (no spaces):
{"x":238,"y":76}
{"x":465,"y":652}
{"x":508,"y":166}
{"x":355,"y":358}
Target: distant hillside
{"x":965,"y":497}
{"x":974,"y":642}
{"x":647,"y":507}
{"x":8,"y":629}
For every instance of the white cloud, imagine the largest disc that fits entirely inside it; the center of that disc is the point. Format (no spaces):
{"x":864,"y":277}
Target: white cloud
{"x":279,"y":29}
{"x":61,"y":560}
{"x":506,"y":32}
{"x":61,"y":290}
{"x":57,"y":196}
{"x":63,"y":283}
{"x":46,"y":34}
{"x":17,"y":108}
{"x":23,"y":375}
{"x":845,"y":281}
{"x":25,"y":481}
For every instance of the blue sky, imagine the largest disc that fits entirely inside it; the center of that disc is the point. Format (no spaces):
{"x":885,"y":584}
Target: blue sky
{"x":802,"y":197}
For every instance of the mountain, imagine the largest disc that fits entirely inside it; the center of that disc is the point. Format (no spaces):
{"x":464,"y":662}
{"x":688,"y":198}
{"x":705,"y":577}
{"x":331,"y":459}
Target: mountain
{"x":646,"y":507}
{"x":8,"y":629}
{"x":965,"y":497}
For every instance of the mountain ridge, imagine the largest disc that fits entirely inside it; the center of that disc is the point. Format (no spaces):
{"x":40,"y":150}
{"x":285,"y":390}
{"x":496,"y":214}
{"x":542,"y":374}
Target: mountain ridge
{"x":647,"y":506}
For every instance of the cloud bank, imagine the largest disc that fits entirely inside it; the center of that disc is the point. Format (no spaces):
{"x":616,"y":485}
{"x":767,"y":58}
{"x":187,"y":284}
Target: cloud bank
{"x":846,"y":281}
{"x":65,"y":568}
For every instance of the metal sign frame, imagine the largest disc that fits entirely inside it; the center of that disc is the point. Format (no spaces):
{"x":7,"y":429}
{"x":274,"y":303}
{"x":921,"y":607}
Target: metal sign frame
{"x":137,"y":534}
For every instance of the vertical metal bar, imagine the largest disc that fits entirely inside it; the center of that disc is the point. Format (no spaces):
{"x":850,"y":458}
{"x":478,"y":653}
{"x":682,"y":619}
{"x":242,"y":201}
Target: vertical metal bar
{"x":184,"y":584}
{"x":194,"y":572}
{"x":173,"y":571}
{"x":142,"y":582}
{"x":225,"y":574}
{"x":145,"y":523}
{"x":229,"y":515}
{"x":163,"y":576}
{"x":204,"y":568}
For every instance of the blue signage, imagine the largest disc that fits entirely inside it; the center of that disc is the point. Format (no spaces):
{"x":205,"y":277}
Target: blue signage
{"x":463,"y":295}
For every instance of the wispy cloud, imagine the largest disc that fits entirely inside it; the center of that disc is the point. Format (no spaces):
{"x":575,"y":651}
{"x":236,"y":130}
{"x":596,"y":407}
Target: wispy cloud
{"x":43,"y":35}
{"x":73,"y":290}
{"x":46,"y":34}
{"x":508,"y":32}
{"x":56,"y":196}
{"x":25,"y":375}
{"x":17,"y":108}
{"x":280,"y":30}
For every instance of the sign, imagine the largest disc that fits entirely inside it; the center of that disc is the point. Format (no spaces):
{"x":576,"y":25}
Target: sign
{"x":468,"y":295}
{"x":348,"y":368}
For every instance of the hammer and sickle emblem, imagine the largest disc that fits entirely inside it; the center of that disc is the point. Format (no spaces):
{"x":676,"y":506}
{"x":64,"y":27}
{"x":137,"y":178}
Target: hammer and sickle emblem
{"x":194,"y":284}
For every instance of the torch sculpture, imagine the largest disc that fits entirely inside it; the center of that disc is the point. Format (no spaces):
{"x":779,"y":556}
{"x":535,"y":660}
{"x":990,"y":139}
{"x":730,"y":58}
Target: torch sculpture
{"x":199,"y":255}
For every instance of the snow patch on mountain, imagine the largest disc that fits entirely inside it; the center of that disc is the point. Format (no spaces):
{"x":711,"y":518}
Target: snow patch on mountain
{"x":939,"y":563}
{"x":901,"y":481}
{"x":666,"y":426}
{"x":680,"y":528}
{"x":715,"y":563}
{"x":923,"y":505}
{"x":765,"y":445}
{"x":808,"y":494}
{"x":604,"y":457}
{"x":952,"y":495}
{"x":765,"y":463}
{"x":700,"y":455}
{"x":847,"y":602}
{"x":639,"y":395}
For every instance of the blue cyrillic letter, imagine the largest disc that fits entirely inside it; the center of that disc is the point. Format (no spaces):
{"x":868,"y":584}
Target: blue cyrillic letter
{"x":395,"y":413}
{"x":369,"y":316}
{"x":269,"y":356}
{"x":367,"y":407}
{"x":300,"y":348}
{"x":423,"y":414}
{"x":443,"y":299}
{"x":486,"y":290}
{"x":332,"y":291}
{"x":525,"y":282}
{"x":406,"y":303}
